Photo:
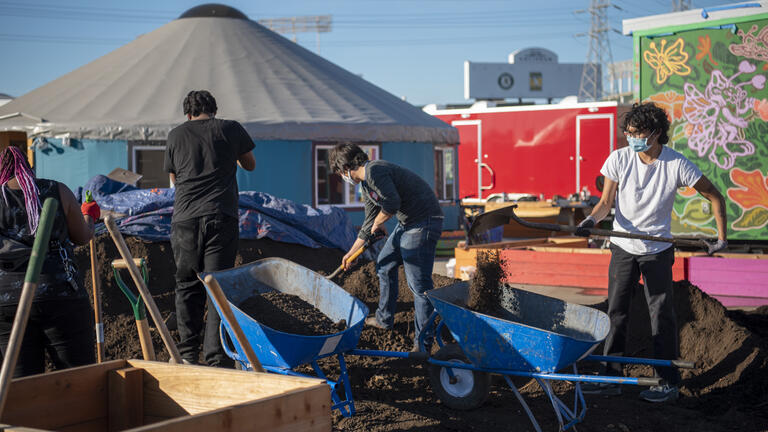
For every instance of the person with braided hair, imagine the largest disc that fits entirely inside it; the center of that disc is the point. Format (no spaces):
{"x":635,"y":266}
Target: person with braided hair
{"x":201,"y":158}
{"x":61,"y":319}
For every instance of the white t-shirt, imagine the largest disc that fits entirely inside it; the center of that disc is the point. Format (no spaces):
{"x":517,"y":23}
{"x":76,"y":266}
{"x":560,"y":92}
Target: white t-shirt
{"x":646,"y":194}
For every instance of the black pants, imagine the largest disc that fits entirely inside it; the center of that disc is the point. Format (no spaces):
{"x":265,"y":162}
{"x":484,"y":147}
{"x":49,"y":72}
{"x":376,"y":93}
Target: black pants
{"x":63,"y":327}
{"x":624,"y":271}
{"x":207,"y":243}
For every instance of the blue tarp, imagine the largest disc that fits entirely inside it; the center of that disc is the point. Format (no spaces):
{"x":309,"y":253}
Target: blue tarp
{"x":261,"y":215}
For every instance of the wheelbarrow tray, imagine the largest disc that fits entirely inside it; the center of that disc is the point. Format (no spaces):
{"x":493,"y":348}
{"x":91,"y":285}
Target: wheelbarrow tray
{"x":535,"y":333}
{"x":285,"y":350}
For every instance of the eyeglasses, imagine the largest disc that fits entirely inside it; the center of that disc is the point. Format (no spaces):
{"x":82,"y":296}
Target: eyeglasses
{"x":638,"y":134}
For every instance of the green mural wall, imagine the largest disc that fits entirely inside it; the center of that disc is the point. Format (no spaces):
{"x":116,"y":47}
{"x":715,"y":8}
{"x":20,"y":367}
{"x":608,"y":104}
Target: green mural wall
{"x":712,"y":82}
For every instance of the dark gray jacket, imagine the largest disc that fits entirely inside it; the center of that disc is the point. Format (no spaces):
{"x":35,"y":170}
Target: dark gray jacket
{"x":397,"y":191}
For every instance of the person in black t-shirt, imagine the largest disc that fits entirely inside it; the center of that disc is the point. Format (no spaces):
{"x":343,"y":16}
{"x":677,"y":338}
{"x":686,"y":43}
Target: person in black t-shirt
{"x":201,"y":158}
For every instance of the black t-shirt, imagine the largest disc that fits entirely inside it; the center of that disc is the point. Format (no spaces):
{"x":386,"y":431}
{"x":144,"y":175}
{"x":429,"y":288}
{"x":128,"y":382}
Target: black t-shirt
{"x":203,"y":155}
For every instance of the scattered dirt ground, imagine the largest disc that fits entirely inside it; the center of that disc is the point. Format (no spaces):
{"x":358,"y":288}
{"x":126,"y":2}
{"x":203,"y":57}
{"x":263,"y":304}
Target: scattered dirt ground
{"x":727,"y":391}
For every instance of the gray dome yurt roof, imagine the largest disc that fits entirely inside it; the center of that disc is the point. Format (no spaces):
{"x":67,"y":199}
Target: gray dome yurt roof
{"x":274,"y":87}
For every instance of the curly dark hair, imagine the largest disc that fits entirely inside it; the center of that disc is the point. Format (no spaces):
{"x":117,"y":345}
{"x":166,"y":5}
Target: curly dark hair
{"x":198,"y":102}
{"x":347,"y":156}
{"x":648,"y":117}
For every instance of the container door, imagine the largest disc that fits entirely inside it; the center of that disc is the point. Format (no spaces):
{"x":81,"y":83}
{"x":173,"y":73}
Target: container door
{"x":594,"y":142}
{"x":470,"y":166}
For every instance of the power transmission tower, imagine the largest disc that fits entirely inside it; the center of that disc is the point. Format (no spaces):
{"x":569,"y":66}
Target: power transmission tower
{"x":300,"y":24}
{"x":680,"y":5}
{"x":599,"y":55}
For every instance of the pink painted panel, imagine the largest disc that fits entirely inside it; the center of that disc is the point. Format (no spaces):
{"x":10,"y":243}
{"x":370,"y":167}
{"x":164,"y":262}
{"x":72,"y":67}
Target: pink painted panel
{"x":729,"y":276}
{"x":742,"y":301}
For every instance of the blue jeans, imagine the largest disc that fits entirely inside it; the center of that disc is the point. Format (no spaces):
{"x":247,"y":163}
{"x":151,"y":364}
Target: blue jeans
{"x":414,"y":247}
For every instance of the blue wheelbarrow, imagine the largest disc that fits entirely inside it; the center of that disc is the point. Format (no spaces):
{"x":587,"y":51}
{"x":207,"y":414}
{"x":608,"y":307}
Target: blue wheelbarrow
{"x":534,"y":336}
{"x":281,"y":352}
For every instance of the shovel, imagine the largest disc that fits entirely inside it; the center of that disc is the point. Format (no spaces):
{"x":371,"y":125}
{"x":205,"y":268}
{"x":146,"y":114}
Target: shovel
{"x":139,"y":310}
{"x":96,"y":282}
{"x":371,"y":240}
{"x":509,"y":212}
{"x":154,"y":312}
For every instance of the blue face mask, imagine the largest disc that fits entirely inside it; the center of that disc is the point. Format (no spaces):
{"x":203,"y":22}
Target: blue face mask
{"x":638,"y":144}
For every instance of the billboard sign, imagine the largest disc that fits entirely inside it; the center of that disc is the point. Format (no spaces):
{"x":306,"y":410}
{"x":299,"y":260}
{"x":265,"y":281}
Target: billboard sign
{"x":530,"y":73}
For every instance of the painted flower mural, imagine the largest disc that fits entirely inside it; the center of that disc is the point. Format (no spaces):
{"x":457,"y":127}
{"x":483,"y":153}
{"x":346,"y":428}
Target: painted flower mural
{"x":716,"y":118}
{"x":751,"y":194}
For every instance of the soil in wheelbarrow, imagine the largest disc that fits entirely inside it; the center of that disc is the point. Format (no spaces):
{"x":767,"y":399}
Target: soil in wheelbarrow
{"x":726,"y":393}
{"x":290,"y":314}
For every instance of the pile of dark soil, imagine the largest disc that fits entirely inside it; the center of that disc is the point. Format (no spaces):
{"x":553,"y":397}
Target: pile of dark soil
{"x":727,"y":391}
{"x":290,"y":314}
{"x":485,"y":289}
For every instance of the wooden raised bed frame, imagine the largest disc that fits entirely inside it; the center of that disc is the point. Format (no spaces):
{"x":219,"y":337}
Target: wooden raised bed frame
{"x":139,"y":395}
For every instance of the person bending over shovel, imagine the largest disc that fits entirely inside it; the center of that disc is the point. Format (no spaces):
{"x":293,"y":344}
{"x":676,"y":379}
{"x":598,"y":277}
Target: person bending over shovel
{"x":642,"y":181}
{"x":390,"y":190}
{"x":61,"y":318}
{"x":202,"y":158}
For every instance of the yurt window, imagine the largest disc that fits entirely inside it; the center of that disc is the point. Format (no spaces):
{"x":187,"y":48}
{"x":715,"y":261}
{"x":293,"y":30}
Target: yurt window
{"x":147,"y":160}
{"x":329,"y":188}
{"x":445,"y":173}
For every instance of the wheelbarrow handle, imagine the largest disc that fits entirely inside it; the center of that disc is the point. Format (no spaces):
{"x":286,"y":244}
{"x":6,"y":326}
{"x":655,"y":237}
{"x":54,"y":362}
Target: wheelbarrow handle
{"x":226,"y":312}
{"x":701,"y":243}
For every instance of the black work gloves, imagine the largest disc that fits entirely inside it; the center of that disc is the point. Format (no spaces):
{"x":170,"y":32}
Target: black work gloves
{"x":583,"y":228}
{"x":716,"y":246}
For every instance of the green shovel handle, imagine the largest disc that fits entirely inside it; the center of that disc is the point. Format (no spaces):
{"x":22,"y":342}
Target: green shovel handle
{"x":139,"y":310}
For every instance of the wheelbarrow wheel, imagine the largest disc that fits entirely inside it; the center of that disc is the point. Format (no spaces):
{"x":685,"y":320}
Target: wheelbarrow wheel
{"x":467,"y":389}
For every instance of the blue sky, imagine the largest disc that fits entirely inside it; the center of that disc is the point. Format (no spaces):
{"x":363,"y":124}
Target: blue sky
{"x":412,"y":48}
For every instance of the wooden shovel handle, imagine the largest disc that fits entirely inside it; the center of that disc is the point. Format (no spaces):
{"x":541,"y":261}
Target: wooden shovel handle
{"x":145,"y":339}
{"x":96,"y":282}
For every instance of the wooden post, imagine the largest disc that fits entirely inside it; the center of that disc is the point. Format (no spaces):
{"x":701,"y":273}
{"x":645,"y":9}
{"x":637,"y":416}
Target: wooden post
{"x":221,"y":299}
{"x":126,"y":398}
{"x":145,"y":294}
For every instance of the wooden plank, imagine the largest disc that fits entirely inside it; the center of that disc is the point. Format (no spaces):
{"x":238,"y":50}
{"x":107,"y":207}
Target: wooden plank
{"x":510,"y":243}
{"x":297,"y":410}
{"x":126,"y":398}
{"x":98,"y":425}
{"x":71,"y":396}
{"x":560,"y":280}
{"x":557,"y":269}
{"x":172,"y":390}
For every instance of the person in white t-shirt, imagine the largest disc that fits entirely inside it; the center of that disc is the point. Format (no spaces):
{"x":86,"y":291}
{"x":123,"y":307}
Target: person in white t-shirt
{"x":641,"y":180}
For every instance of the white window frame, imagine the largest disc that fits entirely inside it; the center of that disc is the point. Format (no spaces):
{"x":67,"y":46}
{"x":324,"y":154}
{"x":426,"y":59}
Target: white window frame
{"x":346,"y":192}
{"x":136,"y":148}
{"x":445,"y":198}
